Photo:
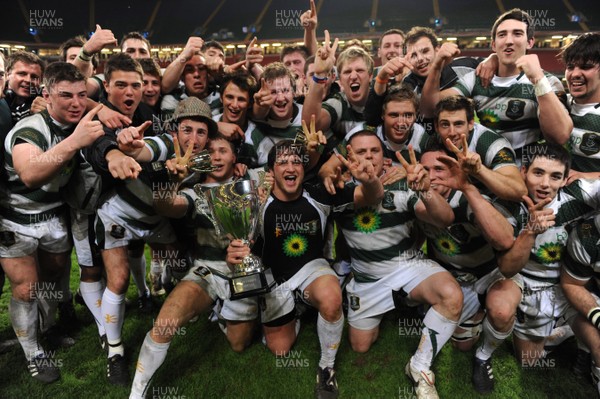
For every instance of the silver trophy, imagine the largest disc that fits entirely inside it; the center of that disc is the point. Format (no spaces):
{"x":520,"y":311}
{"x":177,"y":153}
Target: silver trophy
{"x":200,"y":162}
{"x":234,"y":209}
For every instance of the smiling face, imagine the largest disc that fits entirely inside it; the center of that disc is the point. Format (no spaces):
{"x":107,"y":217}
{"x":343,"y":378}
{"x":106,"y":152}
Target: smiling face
{"x":288,"y":173}
{"x":66,"y":101}
{"x":510,"y":42}
{"x":355,"y":79}
{"x":420,"y":54}
{"x":390,"y":47}
{"x":398,"y":120}
{"x":192,"y":132}
{"x":438,"y":171}
{"x":150,"y":89}
{"x":235,"y":104}
{"x":584,"y":82}
{"x":544,"y":178}
{"x":222,"y":158}
{"x":281,"y":90}
{"x":24,"y":79}
{"x":124,"y":91}
{"x":452,"y":124}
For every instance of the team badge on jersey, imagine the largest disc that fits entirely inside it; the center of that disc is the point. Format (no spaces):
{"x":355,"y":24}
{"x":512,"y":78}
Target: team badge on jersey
{"x":515,"y":109}
{"x":117,"y":231}
{"x":388,"y":201}
{"x":590,"y":144}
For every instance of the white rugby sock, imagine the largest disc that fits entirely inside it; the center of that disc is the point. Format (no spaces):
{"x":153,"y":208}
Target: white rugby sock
{"x":137,"y":266}
{"x":330,"y":335}
{"x":24,"y":319}
{"x":435,"y":334}
{"x":113,"y":313}
{"x":152,"y":356}
{"x":492,"y":339}
{"x":92,"y":296}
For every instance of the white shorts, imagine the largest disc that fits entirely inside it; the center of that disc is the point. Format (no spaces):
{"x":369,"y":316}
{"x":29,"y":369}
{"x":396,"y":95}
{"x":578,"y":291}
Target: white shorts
{"x":280,"y":301}
{"x":18,"y":240}
{"x":369,"y":301}
{"x":115,"y":229}
{"x":538,"y":309}
{"x":206,"y":274}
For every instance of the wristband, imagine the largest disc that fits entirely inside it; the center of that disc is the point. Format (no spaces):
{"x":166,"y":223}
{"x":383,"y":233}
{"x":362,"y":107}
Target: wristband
{"x":542,"y":87}
{"x":594,"y":317}
{"x":90,"y":55}
{"x":317,"y":79}
{"x":381,"y":81}
{"x":85,"y":57}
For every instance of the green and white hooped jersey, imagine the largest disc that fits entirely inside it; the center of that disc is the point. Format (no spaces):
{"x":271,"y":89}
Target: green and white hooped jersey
{"x":25,"y":205}
{"x":135,"y":197}
{"x":460,"y":246}
{"x":418,"y":138}
{"x":546,"y":257}
{"x":508,"y":105}
{"x":344,"y":116}
{"x":584,"y":142}
{"x":495,"y":151}
{"x":582,"y":259}
{"x":381,"y":237}
{"x":265,"y":135}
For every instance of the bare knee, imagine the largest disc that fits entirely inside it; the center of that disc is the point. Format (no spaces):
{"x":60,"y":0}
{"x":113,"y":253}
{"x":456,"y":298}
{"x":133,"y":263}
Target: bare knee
{"x":450,"y":300}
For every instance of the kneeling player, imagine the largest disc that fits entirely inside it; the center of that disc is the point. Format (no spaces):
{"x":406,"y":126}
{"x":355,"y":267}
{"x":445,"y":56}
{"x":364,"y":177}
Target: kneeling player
{"x":293,"y":228}
{"x":198,"y":290}
{"x":385,"y":258}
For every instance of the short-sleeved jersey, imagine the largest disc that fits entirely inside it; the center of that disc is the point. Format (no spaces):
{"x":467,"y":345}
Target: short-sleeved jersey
{"x":584,"y":142}
{"x":344,"y":116}
{"x":495,"y":151}
{"x":380,"y":237}
{"x":266,"y":134}
{"x":25,"y":205}
{"x":582,"y":258}
{"x":508,"y":105}
{"x":546,"y":257}
{"x":293,"y":231}
{"x":460,"y":246}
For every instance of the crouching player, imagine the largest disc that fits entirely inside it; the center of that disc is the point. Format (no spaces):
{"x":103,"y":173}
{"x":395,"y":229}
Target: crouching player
{"x":293,"y":229}
{"x":198,"y":290}
{"x":385,"y":258}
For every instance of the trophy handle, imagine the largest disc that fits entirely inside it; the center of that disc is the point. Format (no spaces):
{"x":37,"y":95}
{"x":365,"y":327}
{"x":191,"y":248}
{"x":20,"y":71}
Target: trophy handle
{"x":201,"y":206}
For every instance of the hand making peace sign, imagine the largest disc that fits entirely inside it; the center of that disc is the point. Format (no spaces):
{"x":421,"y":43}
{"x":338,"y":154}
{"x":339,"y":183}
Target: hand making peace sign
{"x":416,"y":175}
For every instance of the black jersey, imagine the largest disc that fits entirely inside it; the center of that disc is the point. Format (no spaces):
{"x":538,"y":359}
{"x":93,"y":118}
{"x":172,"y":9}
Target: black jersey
{"x":293,"y":231}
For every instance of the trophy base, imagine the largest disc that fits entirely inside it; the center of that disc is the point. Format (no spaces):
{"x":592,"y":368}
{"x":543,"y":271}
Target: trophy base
{"x":251,"y":284}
